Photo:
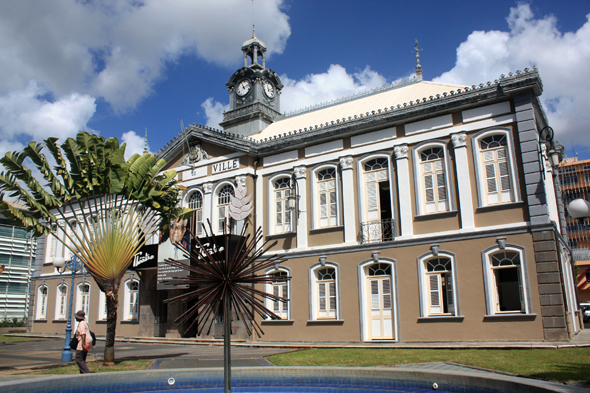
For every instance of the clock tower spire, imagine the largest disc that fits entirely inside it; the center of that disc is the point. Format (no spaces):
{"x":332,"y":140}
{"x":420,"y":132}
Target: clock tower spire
{"x":254,"y":92}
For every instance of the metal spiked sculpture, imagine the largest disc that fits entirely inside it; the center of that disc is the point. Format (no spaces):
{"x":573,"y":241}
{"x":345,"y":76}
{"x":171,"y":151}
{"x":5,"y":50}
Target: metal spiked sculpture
{"x":222,"y":273}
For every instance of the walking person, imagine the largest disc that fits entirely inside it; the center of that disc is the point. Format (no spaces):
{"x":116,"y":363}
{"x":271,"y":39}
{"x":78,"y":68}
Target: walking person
{"x":84,"y":342}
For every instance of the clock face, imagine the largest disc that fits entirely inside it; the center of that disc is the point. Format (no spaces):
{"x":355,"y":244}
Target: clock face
{"x":269,"y":89}
{"x":243,"y":87}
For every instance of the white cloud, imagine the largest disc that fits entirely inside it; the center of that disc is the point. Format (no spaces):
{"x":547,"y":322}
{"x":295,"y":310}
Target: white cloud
{"x":57,"y":58}
{"x":135,"y":143}
{"x":333,"y":84}
{"x":213,"y":112}
{"x":26,"y":114}
{"x":561,"y":57}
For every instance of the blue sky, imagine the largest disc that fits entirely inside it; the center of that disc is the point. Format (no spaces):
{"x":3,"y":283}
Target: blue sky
{"x":119,"y":67}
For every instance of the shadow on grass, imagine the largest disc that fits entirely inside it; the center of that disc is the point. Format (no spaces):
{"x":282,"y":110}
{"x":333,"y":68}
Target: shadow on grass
{"x":565,"y":372}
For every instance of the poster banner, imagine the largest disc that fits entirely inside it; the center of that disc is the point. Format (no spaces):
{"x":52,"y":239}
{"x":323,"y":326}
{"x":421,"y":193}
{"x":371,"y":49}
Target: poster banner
{"x":168,"y":250}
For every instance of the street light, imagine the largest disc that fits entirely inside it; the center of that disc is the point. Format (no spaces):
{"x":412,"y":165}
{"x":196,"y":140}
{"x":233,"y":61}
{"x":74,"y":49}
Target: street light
{"x":60,"y":263}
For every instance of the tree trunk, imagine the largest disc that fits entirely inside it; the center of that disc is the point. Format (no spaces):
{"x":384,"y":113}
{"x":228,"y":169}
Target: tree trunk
{"x":112,"y":305}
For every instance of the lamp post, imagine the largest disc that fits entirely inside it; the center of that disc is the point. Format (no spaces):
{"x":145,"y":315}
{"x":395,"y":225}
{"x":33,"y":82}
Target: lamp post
{"x":60,"y":263}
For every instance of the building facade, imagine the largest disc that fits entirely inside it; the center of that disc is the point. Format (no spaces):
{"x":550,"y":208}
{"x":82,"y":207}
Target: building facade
{"x":423,"y":212}
{"x":17,"y":255}
{"x":574,"y":177}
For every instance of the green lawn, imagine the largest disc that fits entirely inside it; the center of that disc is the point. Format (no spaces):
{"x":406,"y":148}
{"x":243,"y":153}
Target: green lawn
{"x":5,"y":339}
{"x":567,"y":364}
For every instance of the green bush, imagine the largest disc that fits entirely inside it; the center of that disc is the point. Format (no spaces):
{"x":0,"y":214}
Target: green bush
{"x":13,"y":322}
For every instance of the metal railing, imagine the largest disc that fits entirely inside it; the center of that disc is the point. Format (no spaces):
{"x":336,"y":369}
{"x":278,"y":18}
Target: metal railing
{"x":377,"y":231}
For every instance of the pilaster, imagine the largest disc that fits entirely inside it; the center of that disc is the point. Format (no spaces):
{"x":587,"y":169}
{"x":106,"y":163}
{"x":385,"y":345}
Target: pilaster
{"x":301,"y":211}
{"x":404,"y":193}
{"x":348,"y":199}
{"x":207,"y":202}
{"x":463,"y":180}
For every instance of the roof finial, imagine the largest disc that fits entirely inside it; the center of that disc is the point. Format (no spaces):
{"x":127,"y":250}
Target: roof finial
{"x":418,"y":66}
{"x":145,"y":148}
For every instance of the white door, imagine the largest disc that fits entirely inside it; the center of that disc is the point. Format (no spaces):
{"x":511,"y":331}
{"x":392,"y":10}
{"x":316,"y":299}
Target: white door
{"x":380,"y":308}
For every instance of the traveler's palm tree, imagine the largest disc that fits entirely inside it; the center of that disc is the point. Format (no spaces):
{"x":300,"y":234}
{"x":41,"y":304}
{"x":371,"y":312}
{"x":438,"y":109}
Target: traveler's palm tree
{"x":101,"y":207}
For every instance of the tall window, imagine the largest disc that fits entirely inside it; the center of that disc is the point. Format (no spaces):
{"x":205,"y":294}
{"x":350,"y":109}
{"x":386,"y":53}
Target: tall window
{"x":102,"y":305}
{"x":506,"y":281}
{"x":281,"y":289}
{"x":84,"y":298}
{"x":496,"y":173}
{"x":223,"y":200}
{"x":376,"y":210}
{"x":327,"y":197}
{"x":282,"y":216}
{"x":195,"y":202}
{"x":324,"y":284}
{"x":439,"y":279}
{"x":42,"y":302}
{"x":131,"y":300}
{"x":61,"y":305}
{"x":53,"y":242}
{"x":434,"y":193}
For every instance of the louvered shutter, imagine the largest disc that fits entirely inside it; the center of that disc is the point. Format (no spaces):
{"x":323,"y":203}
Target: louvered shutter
{"x":504,"y":176}
{"x":450,"y":298}
{"x":520,"y":290}
{"x":434,"y":293}
{"x":322,"y":297}
{"x":429,"y":188}
{"x":375,"y":295}
{"x":275,"y":291}
{"x":491,"y":178}
{"x":199,"y":222}
{"x":332,"y":286}
{"x":442,"y":190}
{"x":386,"y":294}
{"x":285,"y":296}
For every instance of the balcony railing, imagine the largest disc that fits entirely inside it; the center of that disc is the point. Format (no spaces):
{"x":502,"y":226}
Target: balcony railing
{"x":377,"y":231}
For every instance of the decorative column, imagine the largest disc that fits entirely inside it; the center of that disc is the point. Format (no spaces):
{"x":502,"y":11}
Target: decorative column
{"x":240,"y":183}
{"x":301,"y":209}
{"x":207,"y":202}
{"x":348,"y":199}
{"x":404,"y":193}
{"x":463,"y":180}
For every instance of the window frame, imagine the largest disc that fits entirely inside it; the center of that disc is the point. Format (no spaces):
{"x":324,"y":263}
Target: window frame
{"x":418,"y":177}
{"x":510,"y":159}
{"x":268,"y":288}
{"x":41,"y":307}
{"x":79,"y":296}
{"x":187,"y":202}
{"x":424,"y":287}
{"x":314,"y":292}
{"x":271,"y":206}
{"x":315,"y":199}
{"x":489,"y":280}
{"x":102,"y":306}
{"x":58,"y":316}
{"x":127,"y":300}
{"x":215,"y":197}
{"x":361,"y":188}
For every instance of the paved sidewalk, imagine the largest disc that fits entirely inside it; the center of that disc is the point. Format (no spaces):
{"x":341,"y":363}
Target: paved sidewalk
{"x":22,"y":357}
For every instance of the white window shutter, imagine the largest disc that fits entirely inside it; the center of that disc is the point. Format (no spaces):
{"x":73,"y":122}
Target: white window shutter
{"x":372,"y":204}
{"x":375,"y":295}
{"x":488,"y":156}
{"x":429,"y":188}
{"x":386,"y":294}
{"x":442,"y":190}
{"x":491,"y":178}
{"x":504,"y":176}
{"x":434,"y":293}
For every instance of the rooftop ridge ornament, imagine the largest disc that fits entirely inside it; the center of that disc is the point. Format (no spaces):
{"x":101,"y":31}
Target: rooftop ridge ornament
{"x":418,"y":66}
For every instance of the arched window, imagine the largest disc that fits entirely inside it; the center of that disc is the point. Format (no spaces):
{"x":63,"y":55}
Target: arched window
{"x":61,"y":303}
{"x":282,"y":218}
{"x":131,"y":299}
{"x":325,"y":189}
{"x":495,"y":167}
{"x":42,"y":292}
{"x":195,"y":202}
{"x":506,"y":280}
{"x":281,"y":289}
{"x":325,"y":292}
{"x":432,"y":184}
{"x":83,"y":298}
{"x":223,"y":200}
{"x":375,"y":199}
